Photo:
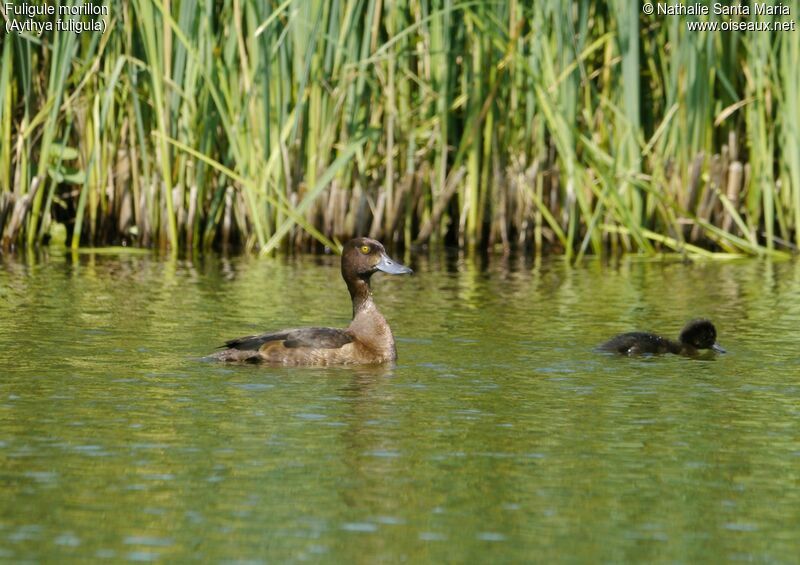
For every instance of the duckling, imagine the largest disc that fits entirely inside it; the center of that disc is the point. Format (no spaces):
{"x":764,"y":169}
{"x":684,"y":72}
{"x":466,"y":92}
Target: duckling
{"x":696,"y":335}
{"x":368,"y":339}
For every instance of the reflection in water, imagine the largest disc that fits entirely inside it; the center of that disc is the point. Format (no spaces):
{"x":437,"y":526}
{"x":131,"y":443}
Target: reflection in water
{"x":499,"y":434}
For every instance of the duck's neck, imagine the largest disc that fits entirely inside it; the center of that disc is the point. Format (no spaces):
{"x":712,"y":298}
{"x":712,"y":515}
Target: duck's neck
{"x":360,"y":294}
{"x":368,"y":324}
{"x":680,"y":348}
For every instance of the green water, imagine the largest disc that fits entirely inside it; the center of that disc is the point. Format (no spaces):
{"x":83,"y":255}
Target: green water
{"x":500,"y":435}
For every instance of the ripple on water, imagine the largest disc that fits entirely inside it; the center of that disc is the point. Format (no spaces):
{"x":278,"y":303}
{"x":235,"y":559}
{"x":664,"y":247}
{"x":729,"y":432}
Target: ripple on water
{"x":311,"y":416}
{"x":254,"y":387}
{"x":67,"y":539}
{"x":143,"y":556}
{"x":383,"y":453}
{"x":490,"y":536}
{"x":432,"y":536}
{"x":741,"y":527}
{"x":363,"y":527}
{"x":390,"y":520}
{"x":148,"y":541}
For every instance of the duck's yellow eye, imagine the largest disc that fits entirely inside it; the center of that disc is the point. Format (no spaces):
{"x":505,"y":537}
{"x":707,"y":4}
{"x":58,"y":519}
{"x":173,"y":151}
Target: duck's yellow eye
{"x":365,"y":249}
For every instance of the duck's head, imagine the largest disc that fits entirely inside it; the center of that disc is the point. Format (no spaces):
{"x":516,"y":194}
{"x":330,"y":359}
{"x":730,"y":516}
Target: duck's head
{"x":701,"y":334}
{"x":362,"y":257}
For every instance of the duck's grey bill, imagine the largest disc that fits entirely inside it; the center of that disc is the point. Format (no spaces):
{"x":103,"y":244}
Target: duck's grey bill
{"x":392,"y":267}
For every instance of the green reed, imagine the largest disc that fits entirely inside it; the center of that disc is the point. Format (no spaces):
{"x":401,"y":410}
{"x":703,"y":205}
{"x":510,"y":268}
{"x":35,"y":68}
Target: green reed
{"x":571,"y":128}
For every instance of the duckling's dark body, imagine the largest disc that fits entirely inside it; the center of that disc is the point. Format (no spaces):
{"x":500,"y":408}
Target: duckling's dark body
{"x":696,"y":335}
{"x":635,"y":343}
{"x":368,"y":338}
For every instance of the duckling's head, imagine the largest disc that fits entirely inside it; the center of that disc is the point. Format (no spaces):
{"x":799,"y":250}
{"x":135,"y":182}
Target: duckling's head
{"x":362,"y":257}
{"x":700,"y":334}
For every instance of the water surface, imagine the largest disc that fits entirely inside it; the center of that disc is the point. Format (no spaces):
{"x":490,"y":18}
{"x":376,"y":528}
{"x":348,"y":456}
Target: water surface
{"x":499,"y":436}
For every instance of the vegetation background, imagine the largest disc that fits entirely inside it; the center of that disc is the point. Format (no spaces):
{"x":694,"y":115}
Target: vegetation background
{"x":569,"y":127}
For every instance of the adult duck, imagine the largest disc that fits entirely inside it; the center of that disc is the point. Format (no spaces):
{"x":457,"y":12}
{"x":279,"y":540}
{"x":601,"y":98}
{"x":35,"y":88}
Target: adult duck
{"x":368,"y":338}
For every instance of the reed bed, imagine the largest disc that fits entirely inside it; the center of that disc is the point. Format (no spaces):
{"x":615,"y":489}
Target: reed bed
{"x":575,"y":128}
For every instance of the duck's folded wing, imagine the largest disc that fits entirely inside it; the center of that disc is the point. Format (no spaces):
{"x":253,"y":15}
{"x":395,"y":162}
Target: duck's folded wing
{"x":320,"y":338}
